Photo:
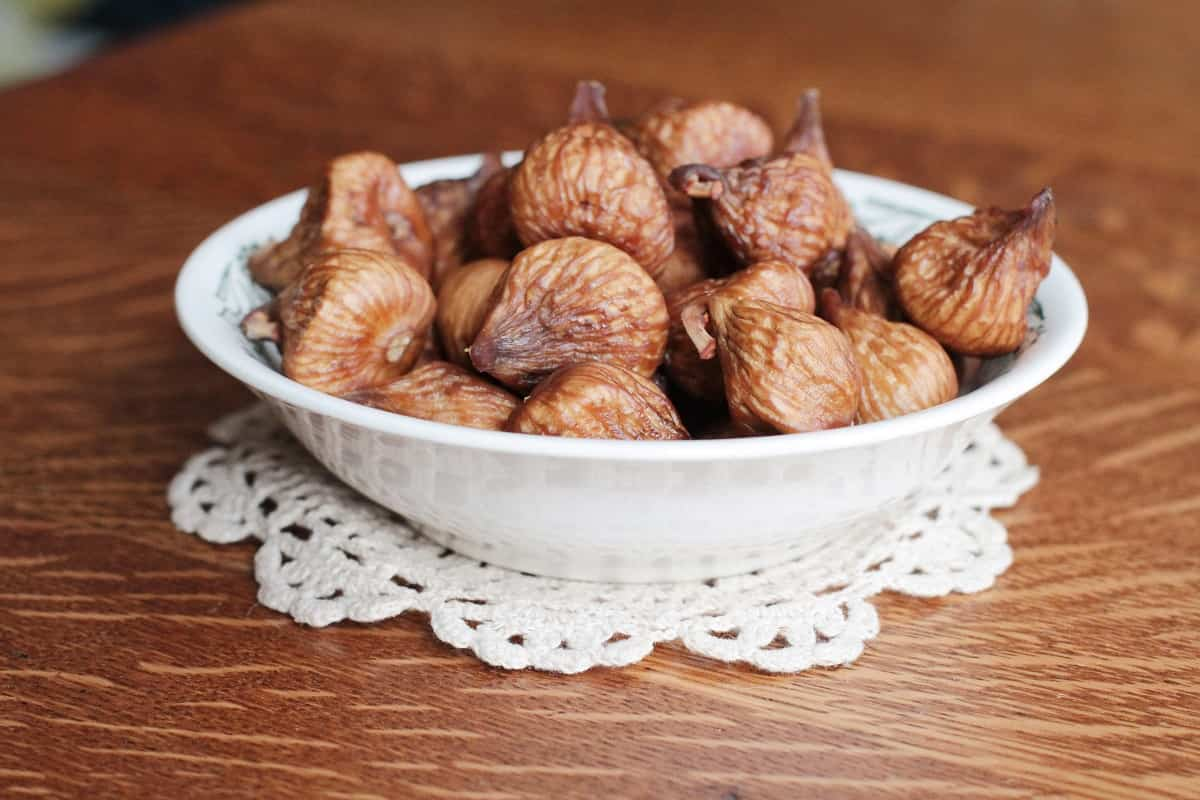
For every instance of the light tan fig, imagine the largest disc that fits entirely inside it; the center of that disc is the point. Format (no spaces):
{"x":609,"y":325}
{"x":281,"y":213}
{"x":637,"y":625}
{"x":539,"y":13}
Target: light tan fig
{"x":691,"y":348}
{"x":463,"y":302}
{"x":586,"y":179}
{"x":446,"y":204}
{"x":564,"y":301}
{"x":442,"y":392}
{"x":784,"y":208}
{"x":785,"y":371}
{"x":862,"y":280}
{"x":490,"y":230}
{"x":903,"y":368}
{"x":351,"y":320}
{"x":598,"y":401}
{"x":968,"y":282}
{"x":711,"y":132}
{"x":362,"y":203}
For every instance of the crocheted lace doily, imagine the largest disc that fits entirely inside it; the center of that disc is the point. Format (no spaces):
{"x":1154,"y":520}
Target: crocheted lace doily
{"x":328,"y":555}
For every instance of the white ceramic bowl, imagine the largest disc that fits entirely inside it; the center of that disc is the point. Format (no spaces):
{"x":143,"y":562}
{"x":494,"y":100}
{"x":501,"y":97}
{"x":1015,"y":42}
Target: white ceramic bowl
{"x":616,"y":510}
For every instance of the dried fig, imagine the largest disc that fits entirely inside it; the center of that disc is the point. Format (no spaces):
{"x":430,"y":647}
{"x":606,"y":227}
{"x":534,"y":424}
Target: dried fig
{"x":361,"y":202}
{"x":442,"y":392}
{"x":586,"y":179}
{"x":463,"y":302}
{"x":564,"y":301}
{"x":709,"y":132}
{"x":490,"y":228}
{"x":862,"y":281}
{"x":968,"y":282}
{"x":903,"y":368}
{"x":785,"y":371}
{"x":351,"y":320}
{"x":446,"y":204}
{"x":784,"y":208}
{"x":691,"y":348}
{"x":598,"y":401}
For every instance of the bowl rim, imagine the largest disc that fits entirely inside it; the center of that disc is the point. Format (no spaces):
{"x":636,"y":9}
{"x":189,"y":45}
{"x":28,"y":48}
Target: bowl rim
{"x":1066,"y":324}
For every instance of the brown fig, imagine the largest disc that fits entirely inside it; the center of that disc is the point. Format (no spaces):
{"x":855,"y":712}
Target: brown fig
{"x":598,"y":401}
{"x":903,"y":368}
{"x":586,"y":179}
{"x":490,"y":230}
{"x":351,"y":320}
{"x":711,"y":132}
{"x":968,"y":282}
{"x":463,"y":302}
{"x":564,"y":301}
{"x":691,"y":348}
{"x":862,"y":280}
{"x":785,"y":371}
{"x":446,"y":204}
{"x":361,"y":202}
{"x":783,"y":208}
{"x":442,"y":392}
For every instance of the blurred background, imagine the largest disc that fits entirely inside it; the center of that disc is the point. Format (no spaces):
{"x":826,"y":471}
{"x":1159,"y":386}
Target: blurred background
{"x":39,"y":37}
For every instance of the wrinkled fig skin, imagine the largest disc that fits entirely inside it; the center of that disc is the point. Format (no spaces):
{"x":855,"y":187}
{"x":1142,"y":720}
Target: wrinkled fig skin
{"x":903,"y":368}
{"x":785,"y":208}
{"x":709,"y":132}
{"x":862,"y":281}
{"x":586,"y":179}
{"x":691,"y":349}
{"x":968,"y":282}
{"x":446,"y":204}
{"x":566,"y":301}
{"x":490,"y":230}
{"x":361,"y":202}
{"x":442,"y":392}
{"x":463,"y":302}
{"x":598,"y":401}
{"x":785,"y":371}
{"x":354,"y":319}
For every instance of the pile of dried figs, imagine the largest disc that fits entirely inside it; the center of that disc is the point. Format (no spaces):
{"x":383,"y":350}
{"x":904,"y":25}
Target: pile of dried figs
{"x":672,"y":275}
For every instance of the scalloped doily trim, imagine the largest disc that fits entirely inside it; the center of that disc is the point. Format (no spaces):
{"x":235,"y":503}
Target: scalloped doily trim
{"x":327,"y":554}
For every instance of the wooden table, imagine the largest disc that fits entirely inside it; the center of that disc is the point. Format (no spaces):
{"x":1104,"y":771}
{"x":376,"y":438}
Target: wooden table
{"x":133,"y":659}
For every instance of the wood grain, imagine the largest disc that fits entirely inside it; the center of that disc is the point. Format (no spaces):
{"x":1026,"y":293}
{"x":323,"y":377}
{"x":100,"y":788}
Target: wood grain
{"x":135,"y":662}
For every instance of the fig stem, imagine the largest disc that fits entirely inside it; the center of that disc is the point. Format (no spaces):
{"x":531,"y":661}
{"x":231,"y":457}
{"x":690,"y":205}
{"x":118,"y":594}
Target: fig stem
{"x":807,"y":136}
{"x":694,"y":319}
{"x":588,"y":104}
{"x":1041,"y":209}
{"x":262,"y":324}
{"x":698,"y":180}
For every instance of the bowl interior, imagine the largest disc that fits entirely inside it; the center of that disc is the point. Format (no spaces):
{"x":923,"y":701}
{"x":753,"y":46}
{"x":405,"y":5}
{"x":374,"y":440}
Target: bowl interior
{"x":215,"y":291}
